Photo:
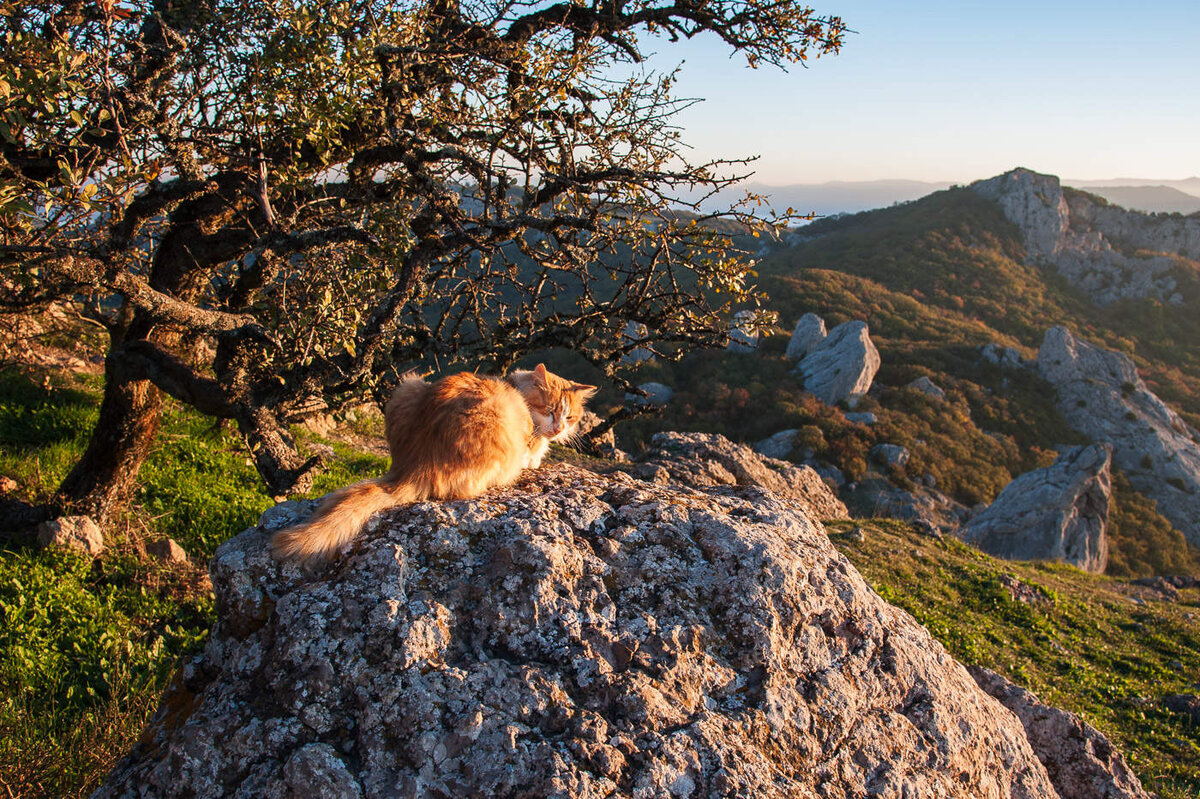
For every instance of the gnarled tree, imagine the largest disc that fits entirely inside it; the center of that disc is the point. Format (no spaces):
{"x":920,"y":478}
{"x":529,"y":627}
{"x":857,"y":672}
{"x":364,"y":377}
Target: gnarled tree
{"x":271,"y":204}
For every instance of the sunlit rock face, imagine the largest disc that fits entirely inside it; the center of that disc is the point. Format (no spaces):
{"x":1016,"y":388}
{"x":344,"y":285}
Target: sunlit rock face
{"x":574,"y":635}
{"x":1101,"y":395}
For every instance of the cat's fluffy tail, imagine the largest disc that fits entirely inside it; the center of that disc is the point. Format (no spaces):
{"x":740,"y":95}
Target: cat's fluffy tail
{"x":338,"y":520}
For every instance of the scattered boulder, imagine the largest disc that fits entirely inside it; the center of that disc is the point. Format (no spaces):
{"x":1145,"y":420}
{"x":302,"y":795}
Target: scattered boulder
{"x":808,"y":335}
{"x":842,"y":366}
{"x":167,"y":550}
{"x":704,"y":460}
{"x":633,"y":334}
{"x":1008,"y":357}
{"x":778,"y":446}
{"x":1101,"y":395}
{"x":8,"y":485}
{"x":892,"y":456}
{"x":1056,"y":513}
{"x":574,"y":635}
{"x":861,"y":417}
{"x":73,"y":532}
{"x":928,"y":388}
{"x":1081,"y":762}
{"x":925,"y":508}
{"x":655,"y":394}
{"x":1023,"y":592}
{"x":1167,"y":589}
{"x":743,"y":332}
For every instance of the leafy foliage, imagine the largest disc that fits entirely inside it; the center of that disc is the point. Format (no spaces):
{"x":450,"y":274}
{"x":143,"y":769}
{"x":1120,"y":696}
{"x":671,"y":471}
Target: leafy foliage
{"x":272,"y":206}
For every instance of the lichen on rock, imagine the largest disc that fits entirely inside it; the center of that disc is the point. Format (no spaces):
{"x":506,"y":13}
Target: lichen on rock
{"x":573,"y":635}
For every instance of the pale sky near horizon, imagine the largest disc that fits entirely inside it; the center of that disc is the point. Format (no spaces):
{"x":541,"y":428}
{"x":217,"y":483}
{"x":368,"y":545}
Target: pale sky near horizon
{"x":960,"y":91}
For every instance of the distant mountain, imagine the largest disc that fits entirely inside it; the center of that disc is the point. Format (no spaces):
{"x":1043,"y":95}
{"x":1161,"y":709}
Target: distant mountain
{"x":1162,"y":199}
{"x":838,"y":197}
{"x":1187,"y":185}
{"x":834,"y":197}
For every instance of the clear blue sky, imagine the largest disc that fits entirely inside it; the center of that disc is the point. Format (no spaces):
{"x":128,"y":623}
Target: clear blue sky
{"x":955,"y":91}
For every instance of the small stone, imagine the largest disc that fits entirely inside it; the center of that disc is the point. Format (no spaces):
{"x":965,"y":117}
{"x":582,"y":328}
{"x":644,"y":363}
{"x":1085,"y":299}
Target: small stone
{"x":167,"y":550}
{"x":928,"y":388}
{"x":891,"y":455}
{"x":76,"y":532}
{"x":8,"y":485}
{"x":856,"y":535}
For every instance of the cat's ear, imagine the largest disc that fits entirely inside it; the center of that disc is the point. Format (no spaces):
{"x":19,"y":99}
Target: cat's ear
{"x":584,"y":391}
{"x":539,"y":376}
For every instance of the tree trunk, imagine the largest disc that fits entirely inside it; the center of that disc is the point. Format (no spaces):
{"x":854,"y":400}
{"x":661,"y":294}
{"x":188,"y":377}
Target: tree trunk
{"x":106,"y":474}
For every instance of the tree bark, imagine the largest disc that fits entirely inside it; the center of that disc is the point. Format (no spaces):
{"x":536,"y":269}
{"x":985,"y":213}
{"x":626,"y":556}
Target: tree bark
{"x":105,"y":477}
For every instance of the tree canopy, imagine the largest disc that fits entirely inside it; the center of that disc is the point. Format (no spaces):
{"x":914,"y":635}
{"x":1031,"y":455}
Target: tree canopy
{"x":271,"y":205}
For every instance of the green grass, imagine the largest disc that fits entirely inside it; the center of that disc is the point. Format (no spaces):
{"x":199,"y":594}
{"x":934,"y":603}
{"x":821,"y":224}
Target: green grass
{"x":1085,"y":646}
{"x":87,"y":645}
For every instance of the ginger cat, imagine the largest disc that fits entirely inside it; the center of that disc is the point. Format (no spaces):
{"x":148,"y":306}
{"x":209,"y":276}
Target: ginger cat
{"x":452,"y":439}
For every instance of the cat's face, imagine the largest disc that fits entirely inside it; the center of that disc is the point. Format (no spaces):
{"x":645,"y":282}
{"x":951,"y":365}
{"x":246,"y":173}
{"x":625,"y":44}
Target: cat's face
{"x":555,"y":404}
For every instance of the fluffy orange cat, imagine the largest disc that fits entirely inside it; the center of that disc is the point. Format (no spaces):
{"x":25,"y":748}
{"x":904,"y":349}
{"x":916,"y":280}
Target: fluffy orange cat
{"x":451,"y":439}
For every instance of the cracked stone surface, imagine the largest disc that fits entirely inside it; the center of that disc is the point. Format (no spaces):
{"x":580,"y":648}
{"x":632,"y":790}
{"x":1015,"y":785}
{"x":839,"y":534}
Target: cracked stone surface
{"x":1102,"y":396}
{"x":1059,"y":512}
{"x":574,"y":635}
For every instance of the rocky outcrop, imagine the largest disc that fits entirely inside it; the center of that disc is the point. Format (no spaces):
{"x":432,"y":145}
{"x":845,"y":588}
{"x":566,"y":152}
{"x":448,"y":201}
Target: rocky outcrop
{"x":778,"y":446}
{"x":652,"y":394}
{"x":1081,"y":762}
{"x":807,"y":336}
{"x":928,"y":388}
{"x":1056,"y":513}
{"x":632,"y":337}
{"x":704,"y":460}
{"x":1053,"y":235}
{"x":842,"y":366}
{"x":1155,"y":232}
{"x":574,"y":635}
{"x":743,"y":332}
{"x":1102,"y":396}
{"x":1007,"y":357}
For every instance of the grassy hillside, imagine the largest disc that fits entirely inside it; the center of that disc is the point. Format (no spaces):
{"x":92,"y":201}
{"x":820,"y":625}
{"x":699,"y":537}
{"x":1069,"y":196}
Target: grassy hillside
{"x":87,"y":646}
{"x":1100,"y":648}
{"x":936,"y":279}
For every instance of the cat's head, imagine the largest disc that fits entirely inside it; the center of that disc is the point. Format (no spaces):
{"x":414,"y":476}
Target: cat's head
{"x":555,"y":404}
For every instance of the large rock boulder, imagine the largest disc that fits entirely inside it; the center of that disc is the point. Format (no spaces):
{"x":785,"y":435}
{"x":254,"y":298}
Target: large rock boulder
{"x":1057,"y":233}
{"x":1080,"y":760}
{"x":574,"y":635}
{"x":842,"y":366}
{"x":808,"y":335}
{"x":704,"y":460}
{"x":1102,"y":396}
{"x":1056,"y":513}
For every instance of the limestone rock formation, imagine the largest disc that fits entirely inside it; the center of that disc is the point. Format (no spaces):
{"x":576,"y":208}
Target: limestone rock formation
{"x":573,"y":636}
{"x":1080,"y":760}
{"x":1008,"y":357}
{"x":778,"y":446}
{"x":1055,"y":233}
{"x":743,"y":332}
{"x":890,"y":455}
{"x":928,"y":388}
{"x":633,"y":334}
{"x":1056,"y":513}
{"x":655,"y":394}
{"x":1102,"y":396}
{"x":703,"y":460}
{"x":809,"y":333}
{"x":72,"y":532}
{"x":842,"y":366}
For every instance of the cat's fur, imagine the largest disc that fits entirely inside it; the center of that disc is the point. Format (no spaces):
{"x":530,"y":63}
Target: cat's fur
{"x":452,"y":439}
